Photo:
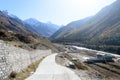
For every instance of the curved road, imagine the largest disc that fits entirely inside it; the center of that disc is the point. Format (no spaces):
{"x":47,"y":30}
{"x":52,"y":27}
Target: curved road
{"x":49,"y":70}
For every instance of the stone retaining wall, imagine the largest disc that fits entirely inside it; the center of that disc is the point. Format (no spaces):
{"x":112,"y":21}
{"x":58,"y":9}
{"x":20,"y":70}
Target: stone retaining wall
{"x":17,"y":59}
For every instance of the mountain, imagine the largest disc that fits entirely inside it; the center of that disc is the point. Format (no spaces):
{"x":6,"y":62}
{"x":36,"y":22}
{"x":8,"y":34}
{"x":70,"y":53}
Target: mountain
{"x":101,"y":32}
{"x":16,"y":32}
{"x":69,"y":29}
{"x":45,"y":29}
{"x":26,"y":25}
{"x":11,"y":24}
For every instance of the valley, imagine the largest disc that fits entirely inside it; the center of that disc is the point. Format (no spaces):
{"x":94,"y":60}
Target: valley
{"x":91,"y":71}
{"x":86,"y":48}
{"x":99,"y":32}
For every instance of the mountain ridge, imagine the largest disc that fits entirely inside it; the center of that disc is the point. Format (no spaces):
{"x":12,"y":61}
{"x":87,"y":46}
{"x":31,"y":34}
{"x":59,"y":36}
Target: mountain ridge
{"x":101,"y":32}
{"x":16,"y":32}
{"x":73,"y":27}
{"x":45,"y":29}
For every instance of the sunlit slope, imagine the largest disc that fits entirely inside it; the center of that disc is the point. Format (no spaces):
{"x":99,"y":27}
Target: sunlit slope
{"x":103,"y":29}
{"x":16,"y":32}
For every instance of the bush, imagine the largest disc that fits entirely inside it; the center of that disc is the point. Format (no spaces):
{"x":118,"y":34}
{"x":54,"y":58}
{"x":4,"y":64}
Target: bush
{"x":13,"y":74}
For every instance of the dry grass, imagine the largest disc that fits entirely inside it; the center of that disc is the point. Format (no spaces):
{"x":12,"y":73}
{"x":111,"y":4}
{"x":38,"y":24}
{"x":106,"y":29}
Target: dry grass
{"x":27,"y":72}
{"x":77,"y":63}
{"x":26,"y":41}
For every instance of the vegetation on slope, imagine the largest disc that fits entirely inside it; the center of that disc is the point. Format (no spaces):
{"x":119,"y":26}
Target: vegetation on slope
{"x":15,"y":32}
{"x":101,"y":32}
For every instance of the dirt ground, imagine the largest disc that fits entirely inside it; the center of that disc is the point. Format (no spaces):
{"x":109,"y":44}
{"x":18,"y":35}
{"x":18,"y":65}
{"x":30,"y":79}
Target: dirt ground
{"x":84,"y":73}
{"x":97,"y":71}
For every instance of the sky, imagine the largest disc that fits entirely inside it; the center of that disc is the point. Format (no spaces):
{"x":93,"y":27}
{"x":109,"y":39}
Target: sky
{"x":60,"y":12}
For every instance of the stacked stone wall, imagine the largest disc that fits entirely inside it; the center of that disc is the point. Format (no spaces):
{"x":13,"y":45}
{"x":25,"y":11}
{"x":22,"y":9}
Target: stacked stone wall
{"x":17,"y":59}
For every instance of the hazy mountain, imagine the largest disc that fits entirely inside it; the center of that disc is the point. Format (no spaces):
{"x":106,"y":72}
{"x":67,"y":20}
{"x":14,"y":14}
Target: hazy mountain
{"x":46,"y":29}
{"x":17,"y":32}
{"x":101,"y":31}
{"x":26,"y":25}
{"x":11,"y":24}
{"x":69,"y":29}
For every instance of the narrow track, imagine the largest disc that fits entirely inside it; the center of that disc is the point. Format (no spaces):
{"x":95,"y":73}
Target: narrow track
{"x":48,"y":69}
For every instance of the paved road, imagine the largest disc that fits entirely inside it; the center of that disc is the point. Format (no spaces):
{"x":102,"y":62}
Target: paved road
{"x":49,"y":70}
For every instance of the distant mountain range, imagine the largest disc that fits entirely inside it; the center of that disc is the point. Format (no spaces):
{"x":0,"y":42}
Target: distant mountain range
{"x":21,"y":34}
{"x":45,"y":29}
{"x":101,"y":31}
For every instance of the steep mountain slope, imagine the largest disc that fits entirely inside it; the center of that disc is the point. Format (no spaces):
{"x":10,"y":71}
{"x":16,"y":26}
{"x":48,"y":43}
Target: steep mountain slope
{"x":101,"y":32}
{"x":10,"y":24}
{"x":15,"y":32}
{"x":46,"y":29}
{"x":26,"y":25}
{"x":69,"y":29}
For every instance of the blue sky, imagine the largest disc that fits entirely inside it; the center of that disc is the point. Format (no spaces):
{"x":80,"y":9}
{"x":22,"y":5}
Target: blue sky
{"x":60,"y":12}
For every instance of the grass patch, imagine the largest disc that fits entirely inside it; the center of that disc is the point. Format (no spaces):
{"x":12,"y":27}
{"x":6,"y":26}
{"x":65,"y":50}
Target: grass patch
{"x":77,"y":63}
{"x":26,"y":73}
{"x":80,"y":65}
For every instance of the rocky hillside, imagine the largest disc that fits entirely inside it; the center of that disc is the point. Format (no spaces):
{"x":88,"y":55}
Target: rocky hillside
{"x":15,"y":32}
{"x":101,"y":32}
{"x":45,"y":29}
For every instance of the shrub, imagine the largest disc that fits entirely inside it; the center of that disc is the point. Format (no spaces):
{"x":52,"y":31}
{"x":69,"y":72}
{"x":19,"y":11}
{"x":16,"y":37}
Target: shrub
{"x":13,"y":74}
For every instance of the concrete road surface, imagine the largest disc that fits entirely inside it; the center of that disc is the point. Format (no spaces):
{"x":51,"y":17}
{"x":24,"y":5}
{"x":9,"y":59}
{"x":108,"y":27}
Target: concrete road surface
{"x":49,"y":70}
